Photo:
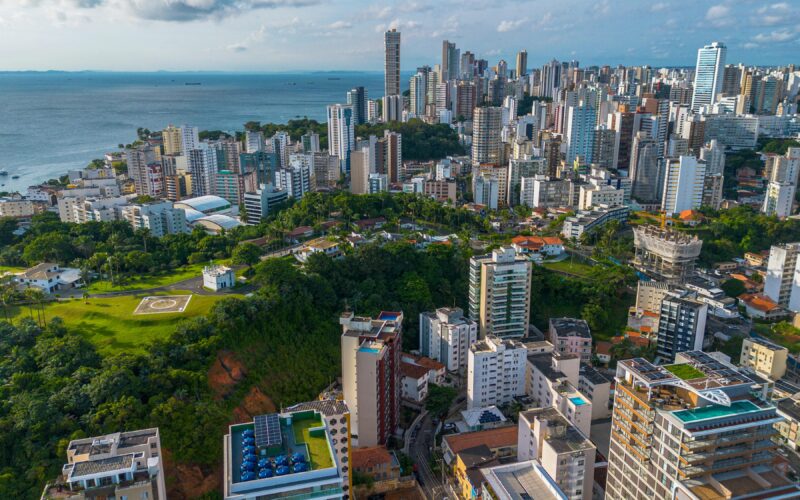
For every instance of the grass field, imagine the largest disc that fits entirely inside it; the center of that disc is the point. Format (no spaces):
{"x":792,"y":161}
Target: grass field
{"x":151,"y":281}
{"x":110,"y":325}
{"x":570,"y":267}
{"x":10,"y":269}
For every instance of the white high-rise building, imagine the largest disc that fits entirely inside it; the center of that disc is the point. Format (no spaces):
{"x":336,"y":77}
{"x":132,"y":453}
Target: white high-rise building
{"x":683,"y":184}
{"x":580,"y":130}
{"x":500,"y":293}
{"x":495,"y":372}
{"x":294,"y":179}
{"x":714,"y":155}
{"x":445,"y":335}
{"x":486,"y":190}
{"x":782,"y":284}
{"x":203,"y":169}
{"x":253,"y":141}
{"x":160,"y":218}
{"x":190,"y":139}
{"x":708,"y":75}
{"x":486,"y":128}
{"x":341,"y":133}
{"x":778,"y":199}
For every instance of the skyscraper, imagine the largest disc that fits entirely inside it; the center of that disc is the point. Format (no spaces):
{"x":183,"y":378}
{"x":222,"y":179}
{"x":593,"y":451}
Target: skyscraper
{"x":486,"y":129}
{"x":450,"y":61}
{"x":708,"y":75}
{"x":391,"y":57}
{"x":644,"y":171}
{"x":681,"y":326}
{"x":522,"y":63}
{"x":684,"y":178}
{"x":580,"y":130}
{"x":341,"y":133}
{"x":357,"y":97}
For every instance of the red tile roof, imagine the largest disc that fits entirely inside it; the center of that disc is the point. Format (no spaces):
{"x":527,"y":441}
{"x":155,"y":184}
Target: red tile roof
{"x":758,"y":301}
{"x":363,"y":458}
{"x":493,"y":438}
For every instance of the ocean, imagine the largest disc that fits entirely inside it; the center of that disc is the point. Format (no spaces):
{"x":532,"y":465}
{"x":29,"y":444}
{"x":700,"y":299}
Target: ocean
{"x":53,"y":122}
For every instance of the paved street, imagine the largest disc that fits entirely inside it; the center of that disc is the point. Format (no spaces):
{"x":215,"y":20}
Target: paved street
{"x":420,"y":454}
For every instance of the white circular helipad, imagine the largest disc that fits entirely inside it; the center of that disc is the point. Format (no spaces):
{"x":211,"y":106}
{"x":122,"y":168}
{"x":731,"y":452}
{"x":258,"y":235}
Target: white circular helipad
{"x":163,"y":304}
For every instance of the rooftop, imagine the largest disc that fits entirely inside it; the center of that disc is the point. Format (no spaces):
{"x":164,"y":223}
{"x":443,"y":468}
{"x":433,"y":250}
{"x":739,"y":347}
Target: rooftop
{"x":302,"y":432}
{"x":522,"y":481}
{"x":593,"y":375}
{"x":371,"y":456}
{"x":493,"y":438}
{"x":481,"y":416}
{"x":110,"y":464}
{"x":570,"y":327}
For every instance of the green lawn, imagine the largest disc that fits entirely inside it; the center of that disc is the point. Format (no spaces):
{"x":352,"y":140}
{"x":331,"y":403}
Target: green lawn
{"x":318,"y":449}
{"x":684,"y":372}
{"x":570,"y":266}
{"x":150,"y":281}
{"x":109,"y":323}
{"x":10,"y":269}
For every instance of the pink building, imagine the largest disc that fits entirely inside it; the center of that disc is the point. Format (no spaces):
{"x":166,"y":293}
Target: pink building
{"x":571,"y":336}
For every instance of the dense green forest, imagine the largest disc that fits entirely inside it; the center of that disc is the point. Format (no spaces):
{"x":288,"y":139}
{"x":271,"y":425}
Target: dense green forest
{"x":421,"y":141}
{"x":56,"y":387}
{"x":730,"y":233}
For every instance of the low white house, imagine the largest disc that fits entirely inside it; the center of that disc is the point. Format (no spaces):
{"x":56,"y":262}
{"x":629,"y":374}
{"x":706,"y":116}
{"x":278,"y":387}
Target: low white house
{"x":49,"y":277}
{"x":218,"y":277}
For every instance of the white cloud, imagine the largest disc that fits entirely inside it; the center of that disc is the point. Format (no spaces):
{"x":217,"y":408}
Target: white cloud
{"x":750,"y":45}
{"x":340,"y":25}
{"x":176,"y":10}
{"x":777,"y":36}
{"x":719,"y":15}
{"x":603,"y":7}
{"x":658,"y":7}
{"x":506,"y":26}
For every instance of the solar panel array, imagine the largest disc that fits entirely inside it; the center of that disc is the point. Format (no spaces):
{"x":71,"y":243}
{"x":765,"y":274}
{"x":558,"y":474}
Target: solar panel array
{"x":268,"y":430}
{"x":487,"y":417}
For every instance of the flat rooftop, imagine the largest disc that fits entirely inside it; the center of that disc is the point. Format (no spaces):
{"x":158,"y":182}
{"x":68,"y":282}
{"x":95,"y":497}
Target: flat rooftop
{"x":300,"y":432}
{"x":523,"y":481}
{"x":700,"y":371}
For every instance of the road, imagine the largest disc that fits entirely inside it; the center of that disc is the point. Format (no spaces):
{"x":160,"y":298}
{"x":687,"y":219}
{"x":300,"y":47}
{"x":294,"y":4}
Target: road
{"x":420,"y":453}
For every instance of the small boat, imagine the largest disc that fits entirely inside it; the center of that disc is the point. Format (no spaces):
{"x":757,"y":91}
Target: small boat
{"x":192,"y":83}
{"x":15,"y":177}
{"x":3,"y":173}
{"x":333,"y":78}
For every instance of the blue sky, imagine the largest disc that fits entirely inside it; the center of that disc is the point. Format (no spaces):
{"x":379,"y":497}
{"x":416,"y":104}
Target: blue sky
{"x":285,"y":35}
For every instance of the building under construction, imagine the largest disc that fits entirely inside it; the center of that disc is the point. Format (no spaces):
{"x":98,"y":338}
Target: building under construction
{"x":665,"y":254}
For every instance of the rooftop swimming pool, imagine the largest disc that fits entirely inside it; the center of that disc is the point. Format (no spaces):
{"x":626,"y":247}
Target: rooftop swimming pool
{"x":716,"y":411}
{"x":577,"y":401}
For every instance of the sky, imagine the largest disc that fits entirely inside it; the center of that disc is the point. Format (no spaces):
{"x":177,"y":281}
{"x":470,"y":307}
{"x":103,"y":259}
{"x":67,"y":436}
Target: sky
{"x":289,"y":35}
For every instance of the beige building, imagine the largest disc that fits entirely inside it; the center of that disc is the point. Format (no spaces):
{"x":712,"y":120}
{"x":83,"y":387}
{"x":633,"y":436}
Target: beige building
{"x":359,"y":172}
{"x":764,"y":357}
{"x":501,"y":174}
{"x":441,"y":190}
{"x":19,"y":208}
{"x":565,"y":453}
{"x":595,"y":195}
{"x":500,"y":293}
{"x":172,"y":142}
{"x":119,"y":465}
{"x":649,"y":295}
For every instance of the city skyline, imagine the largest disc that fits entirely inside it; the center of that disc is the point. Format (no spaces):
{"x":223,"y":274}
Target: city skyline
{"x":290,"y":35}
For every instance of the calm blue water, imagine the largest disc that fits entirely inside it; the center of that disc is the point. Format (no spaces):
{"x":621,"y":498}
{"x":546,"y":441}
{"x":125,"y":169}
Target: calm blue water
{"x":51,"y":122}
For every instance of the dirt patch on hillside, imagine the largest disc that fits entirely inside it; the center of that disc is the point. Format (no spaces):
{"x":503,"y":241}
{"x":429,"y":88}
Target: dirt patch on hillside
{"x":225,"y":373}
{"x":185,"y":481}
{"x":254,"y":403}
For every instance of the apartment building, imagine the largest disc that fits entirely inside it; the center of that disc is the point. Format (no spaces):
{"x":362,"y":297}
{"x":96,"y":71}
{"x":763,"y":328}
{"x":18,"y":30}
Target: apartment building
{"x":371,"y":374}
{"x":681,"y":326}
{"x":564,"y":452}
{"x":764,"y":357}
{"x":294,"y":453}
{"x":782,"y":283}
{"x":257,"y":203}
{"x":552,"y":379}
{"x":495,"y":372}
{"x":445,"y":335}
{"x":520,"y":480}
{"x":571,"y":336}
{"x":699,"y":428}
{"x":117,"y":465}
{"x":160,"y":218}
{"x":500,"y":293}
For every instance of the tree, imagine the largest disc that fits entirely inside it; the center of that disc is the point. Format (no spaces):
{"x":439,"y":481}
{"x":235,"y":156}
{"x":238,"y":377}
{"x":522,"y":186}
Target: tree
{"x":733,"y":288}
{"x":439,"y":400}
{"x":7,"y":227}
{"x":246,"y":253}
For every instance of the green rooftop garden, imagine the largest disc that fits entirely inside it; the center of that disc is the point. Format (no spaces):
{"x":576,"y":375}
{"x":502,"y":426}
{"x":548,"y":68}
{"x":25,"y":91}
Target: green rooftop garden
{"x":315,"y":440}
{"x":684,"y":371}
